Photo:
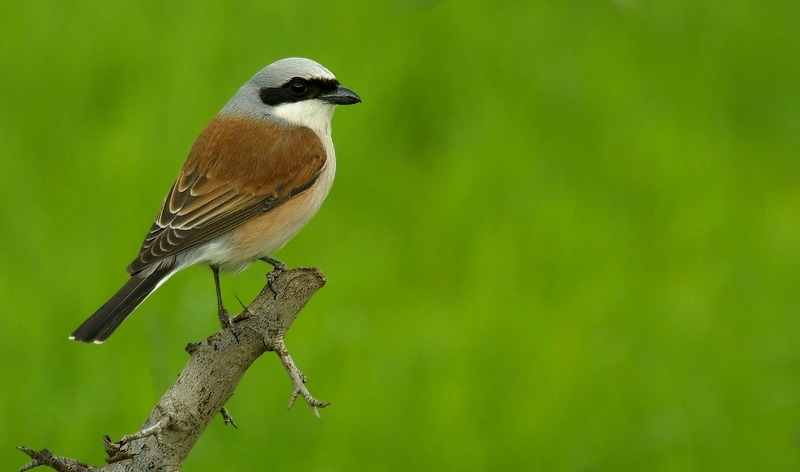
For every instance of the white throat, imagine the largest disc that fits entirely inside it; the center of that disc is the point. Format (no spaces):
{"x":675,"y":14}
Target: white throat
{"x":314,"y":114}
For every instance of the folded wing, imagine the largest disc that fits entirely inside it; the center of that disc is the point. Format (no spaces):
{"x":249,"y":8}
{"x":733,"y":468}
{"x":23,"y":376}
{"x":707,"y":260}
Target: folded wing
{"x":238,"y":168}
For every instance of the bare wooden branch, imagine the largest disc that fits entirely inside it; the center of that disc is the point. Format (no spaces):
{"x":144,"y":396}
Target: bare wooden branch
{"x":209,"y":379}
{"x":45,"y":457}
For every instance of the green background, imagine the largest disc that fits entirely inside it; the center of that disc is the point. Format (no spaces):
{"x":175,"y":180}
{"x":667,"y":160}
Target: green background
{"x":563,"y":235}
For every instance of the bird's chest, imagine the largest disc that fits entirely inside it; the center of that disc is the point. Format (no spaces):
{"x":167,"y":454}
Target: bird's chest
{"x":268,"y":232}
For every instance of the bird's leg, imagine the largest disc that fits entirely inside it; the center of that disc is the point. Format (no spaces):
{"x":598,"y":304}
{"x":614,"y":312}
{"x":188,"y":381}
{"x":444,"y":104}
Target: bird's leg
{"x":224,"y":319}
{"x":277,"y":266}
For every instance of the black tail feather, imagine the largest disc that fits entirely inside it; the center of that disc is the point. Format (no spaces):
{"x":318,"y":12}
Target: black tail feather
{"x":105,"y":320}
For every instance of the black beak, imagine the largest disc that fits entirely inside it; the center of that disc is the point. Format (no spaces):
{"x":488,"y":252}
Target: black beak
{"x":342,"y":96}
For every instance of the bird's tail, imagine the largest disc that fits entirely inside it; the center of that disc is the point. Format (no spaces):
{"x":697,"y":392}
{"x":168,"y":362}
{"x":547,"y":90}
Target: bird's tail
{"x":105,"y":320}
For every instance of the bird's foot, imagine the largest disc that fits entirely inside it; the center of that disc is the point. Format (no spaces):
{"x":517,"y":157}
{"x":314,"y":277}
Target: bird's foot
{"x":226,"y":321}
{"x":277,"y":267}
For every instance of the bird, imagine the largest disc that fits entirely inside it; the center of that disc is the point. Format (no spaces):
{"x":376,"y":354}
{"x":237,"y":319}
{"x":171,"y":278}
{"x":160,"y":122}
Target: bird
{"x":255,"y":175}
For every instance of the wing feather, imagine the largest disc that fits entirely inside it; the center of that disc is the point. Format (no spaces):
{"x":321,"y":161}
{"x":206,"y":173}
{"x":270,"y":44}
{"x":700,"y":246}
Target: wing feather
{"x":237,"y":169}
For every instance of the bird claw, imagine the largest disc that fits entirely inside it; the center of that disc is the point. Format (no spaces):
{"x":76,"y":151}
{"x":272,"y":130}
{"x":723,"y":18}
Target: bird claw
{"x":277,"y":268}
{"x":226,"y":321}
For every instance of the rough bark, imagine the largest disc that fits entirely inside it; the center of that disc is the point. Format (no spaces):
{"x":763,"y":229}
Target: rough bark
{"x":216,"y":366}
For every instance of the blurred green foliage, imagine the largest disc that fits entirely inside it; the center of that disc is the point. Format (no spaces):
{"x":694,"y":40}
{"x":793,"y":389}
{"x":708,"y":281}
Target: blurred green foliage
{"x":563,"y":235}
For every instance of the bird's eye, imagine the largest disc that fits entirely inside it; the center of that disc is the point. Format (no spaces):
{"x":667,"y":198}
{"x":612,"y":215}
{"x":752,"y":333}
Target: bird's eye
{"x":298,"y":87}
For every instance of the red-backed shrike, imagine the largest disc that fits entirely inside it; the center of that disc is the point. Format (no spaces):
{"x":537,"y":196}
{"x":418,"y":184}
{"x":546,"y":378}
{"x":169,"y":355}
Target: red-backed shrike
{"x":254,"y":177}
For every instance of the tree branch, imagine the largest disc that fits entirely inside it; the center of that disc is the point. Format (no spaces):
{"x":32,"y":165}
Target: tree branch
{"x":209,"y":379}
